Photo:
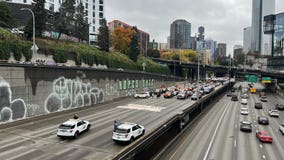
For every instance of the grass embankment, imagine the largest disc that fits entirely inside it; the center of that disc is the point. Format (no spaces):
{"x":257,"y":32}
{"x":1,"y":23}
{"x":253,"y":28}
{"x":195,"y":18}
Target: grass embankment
{"x":65,"y":50}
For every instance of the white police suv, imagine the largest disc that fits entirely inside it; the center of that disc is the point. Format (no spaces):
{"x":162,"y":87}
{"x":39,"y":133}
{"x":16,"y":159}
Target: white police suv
{"x":72,"y":128}
{"x":127,"y":132}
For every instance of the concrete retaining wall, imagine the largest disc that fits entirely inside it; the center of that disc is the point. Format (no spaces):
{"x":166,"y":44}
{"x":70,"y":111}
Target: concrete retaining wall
{"x":27,"y":91}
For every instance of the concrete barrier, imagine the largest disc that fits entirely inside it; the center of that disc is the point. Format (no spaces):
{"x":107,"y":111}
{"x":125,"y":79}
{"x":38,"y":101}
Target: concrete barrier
{"x":28,"y":91}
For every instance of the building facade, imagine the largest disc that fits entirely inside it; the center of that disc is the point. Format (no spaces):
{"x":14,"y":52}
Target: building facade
{"x":94,"y":8}
{"x":221,"y":50}
{"x":143,"y":37}
{"x":247,"y":40}
{"x":260,"y":43}
{"x":211,"y":46}
{"x":180,"y":35}
{"x":274,"y":27}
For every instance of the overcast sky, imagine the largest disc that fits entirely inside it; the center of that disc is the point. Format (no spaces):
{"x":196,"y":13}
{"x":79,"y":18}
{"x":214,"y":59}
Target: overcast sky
{"x":223,"y":20}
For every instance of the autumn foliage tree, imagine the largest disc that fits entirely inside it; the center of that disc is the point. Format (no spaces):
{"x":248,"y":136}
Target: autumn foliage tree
{"x":121,"y":39}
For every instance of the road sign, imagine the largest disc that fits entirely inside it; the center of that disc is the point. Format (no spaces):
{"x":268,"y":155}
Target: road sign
{"x":252,"y":78}
{"x":266,"y":79}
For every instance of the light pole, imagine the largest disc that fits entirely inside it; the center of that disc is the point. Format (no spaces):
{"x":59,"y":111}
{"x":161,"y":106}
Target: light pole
{"x":34,"y":47}
{"x":197,"y":94}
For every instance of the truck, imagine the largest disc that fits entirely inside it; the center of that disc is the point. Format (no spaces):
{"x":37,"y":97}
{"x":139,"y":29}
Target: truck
{"x":252,"y":90}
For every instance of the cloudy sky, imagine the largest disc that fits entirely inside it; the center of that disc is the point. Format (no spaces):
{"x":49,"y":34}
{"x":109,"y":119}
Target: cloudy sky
{"x":223,"y":20}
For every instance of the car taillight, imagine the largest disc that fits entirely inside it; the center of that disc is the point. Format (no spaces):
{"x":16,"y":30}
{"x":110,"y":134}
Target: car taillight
{"x":126,"y":135}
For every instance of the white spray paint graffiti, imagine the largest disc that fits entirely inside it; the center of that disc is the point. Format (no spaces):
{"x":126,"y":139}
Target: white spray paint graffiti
{"x":72,"y":93}
{"x":111,"y":89}
{"x":10,"y":109}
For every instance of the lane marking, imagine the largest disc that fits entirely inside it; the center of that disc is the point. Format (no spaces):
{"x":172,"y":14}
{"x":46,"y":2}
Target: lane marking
{"x":263,"y":156}
{"x":260,"y":146}
{"x":236,"y":126}
{"x":215,"y":133}
{"x":235,"y":143}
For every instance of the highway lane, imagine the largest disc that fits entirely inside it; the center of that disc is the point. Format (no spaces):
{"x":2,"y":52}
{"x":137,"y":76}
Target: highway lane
{"x":38,"y":141}
{"x":200,"y":142}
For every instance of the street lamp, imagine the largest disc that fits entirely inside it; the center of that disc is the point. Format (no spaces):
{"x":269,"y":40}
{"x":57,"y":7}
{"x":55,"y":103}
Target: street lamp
{"x":34,"y":47}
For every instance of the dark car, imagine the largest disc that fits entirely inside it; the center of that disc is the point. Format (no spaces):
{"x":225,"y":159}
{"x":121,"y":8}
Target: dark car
{"x":246,"y":126}
{"x":279,"y":106}
{"x":262,"y":120}
{"x":234,"y":98}
{"x":258,"y":105}
{"x":229,"y":94}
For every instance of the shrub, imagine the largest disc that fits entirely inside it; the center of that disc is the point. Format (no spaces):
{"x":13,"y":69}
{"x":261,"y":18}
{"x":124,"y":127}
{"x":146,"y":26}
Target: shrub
{"x":4,"y":50}
{"x":26,"y":50}
{"x":16,"y":48}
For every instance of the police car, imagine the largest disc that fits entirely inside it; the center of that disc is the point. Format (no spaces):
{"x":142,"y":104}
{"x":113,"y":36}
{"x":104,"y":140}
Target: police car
{"x":127,"y":132}
{"x":72,"y":128}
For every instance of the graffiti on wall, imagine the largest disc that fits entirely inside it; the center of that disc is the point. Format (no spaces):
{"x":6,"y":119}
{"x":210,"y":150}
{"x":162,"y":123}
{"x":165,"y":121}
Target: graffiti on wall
{"x":111,"y":88}
{"x":10,"y":109}
{"x":72,"y":93}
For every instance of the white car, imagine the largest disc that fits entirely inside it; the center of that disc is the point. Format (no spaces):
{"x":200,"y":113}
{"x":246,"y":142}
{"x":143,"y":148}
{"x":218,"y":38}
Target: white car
{"x":17,"y":31}
{"x":244,"y":101}
{"x":273,"y":113}
{"x":142,"y":95}
{"x":72,"y":128}
{"x":127,"y":132}
{"x":244,"y":111}
{"x":281,"y":128}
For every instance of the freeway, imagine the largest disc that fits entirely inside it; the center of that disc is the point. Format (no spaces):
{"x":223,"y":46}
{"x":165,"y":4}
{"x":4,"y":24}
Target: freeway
{"x":217,"y":135}
{"x":37,"y":140}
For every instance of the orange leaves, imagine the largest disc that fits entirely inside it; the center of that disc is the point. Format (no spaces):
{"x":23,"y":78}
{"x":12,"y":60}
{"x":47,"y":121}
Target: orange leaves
{"x":121,"y":39}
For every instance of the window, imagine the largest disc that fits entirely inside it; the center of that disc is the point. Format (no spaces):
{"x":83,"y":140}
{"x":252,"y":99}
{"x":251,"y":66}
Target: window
{"x":94,"y":7}
{"x":94,"y":1}
{"x":101,"y":15}
{"x":94,"y":29}
{"x":25,"y":1}
{"x":86,"y":5}
{"x":101,"y":8}
{"x":94,"y":14}
{"x":101,"y":2}
{"x":94,"y":21}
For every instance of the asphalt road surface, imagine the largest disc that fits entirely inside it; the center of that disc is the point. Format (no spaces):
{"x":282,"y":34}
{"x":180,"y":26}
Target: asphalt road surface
{"x":38,"y":141}
{"x":217,"y":135}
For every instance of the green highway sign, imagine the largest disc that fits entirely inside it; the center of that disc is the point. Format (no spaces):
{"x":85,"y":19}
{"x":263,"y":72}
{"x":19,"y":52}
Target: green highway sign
{"x":266,"y":79}
{"x":252,"y":78}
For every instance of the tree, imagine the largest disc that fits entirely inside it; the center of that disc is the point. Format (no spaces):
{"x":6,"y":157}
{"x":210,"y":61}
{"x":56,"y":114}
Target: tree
{"x":121,"y":39}
{"x":103,"y":37}
{"x":6,"y":18}
{"x":134,"y":45}
{"x":81,"y":29}
{"x":64,"y":19}
{"x":40,"y":19}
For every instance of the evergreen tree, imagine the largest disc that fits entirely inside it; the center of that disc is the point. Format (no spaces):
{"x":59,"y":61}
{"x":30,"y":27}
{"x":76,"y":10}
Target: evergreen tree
{"x":134,"y":48}
{"x":64,"y":19}
{"x":81,"y":29}
{"x":103,"y":37}
{"x":40,"y":19}
{"x":6,"y":18}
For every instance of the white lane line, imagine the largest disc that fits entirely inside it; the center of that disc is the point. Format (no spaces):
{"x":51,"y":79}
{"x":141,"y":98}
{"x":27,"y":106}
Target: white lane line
{"x":235,"y":143}
{"x":260,"y":146}
{"x":215,"y":133}
{"x":263,"y":156}
{"x":236,"y":126}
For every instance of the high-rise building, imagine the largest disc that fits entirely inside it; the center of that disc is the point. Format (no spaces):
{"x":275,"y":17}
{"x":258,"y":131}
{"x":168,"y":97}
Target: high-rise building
{"x":238,"y":49}
{"x":221,"y":50}
{"x":201,"y":31}
{"x":95,"y":12}
{"x":247,"y":40}
{"x":180,"y":34}
{"x":143,"y":37}
{"x":259,"y":42}
{"x":273,"y":27}
{"x":211,"y":46}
